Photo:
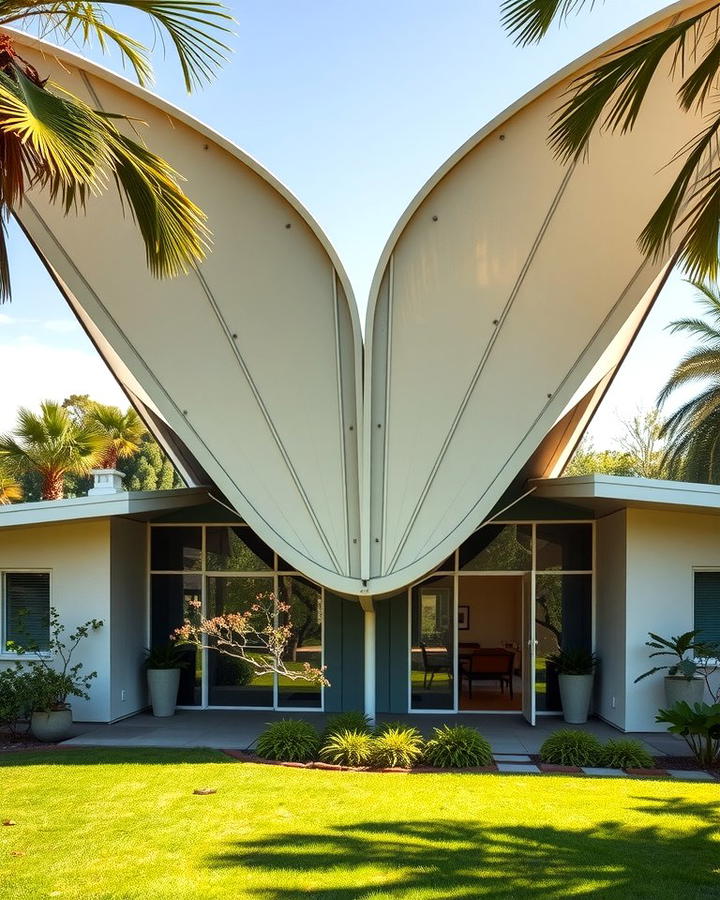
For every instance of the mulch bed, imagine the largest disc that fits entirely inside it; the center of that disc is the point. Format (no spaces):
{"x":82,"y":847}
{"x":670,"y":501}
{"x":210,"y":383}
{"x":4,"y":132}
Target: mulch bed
{"x":10,"y":744}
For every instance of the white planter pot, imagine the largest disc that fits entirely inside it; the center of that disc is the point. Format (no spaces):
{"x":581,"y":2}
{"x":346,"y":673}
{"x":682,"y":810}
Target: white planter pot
{"x":691,"y":690}
{"x":163,"y":686}
{"x":52,"y":726}
{"x":575,"y":693}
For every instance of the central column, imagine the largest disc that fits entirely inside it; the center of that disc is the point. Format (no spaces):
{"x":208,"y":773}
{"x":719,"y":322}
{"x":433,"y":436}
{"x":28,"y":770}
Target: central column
{"x":368,"y":608}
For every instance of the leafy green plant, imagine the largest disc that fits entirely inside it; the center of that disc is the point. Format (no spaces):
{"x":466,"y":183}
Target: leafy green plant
{"x":568,"y":747}
{"x":574,"y":662}
{"x":233,"y":672}
{"x":456,"y":747}
{"x":397,"y":748}
{"x":352,"y":720}
{"x":623,"y":753}
{"x":289,"y":740}
{"x":165,"y":656}
{"x":348,"y":748}
{"x":52,"y":678}
{"x":699,"y":725}
{"x":677,"y":646}
{"x":15,"y":698}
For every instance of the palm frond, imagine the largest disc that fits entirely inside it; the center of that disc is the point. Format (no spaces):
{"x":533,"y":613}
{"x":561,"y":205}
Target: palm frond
{"x":611,"y":95}
{"x":698,"y":364}
{"x":5,"y":286}
{"x":529,"y":20}
{"x":698,"y":328}
{"x":195,"y":28}
{"x":172,"y":226}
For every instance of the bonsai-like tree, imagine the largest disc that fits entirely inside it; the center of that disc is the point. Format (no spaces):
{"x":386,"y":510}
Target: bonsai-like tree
{"x":259,"y":636}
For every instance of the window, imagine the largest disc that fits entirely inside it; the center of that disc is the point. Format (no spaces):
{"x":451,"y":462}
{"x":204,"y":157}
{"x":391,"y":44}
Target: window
{"x":707,"y":606}
{"x":26,"y":610}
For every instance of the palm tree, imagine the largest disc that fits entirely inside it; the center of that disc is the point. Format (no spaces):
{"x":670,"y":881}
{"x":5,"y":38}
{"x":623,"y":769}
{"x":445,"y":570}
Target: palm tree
{"x":611,"y":96}
{"x":49,"y":137}
{"x":52,"y":444}
{"x":692,"y":432}
{"x":124,"y":432}
{"x":10,"y":489}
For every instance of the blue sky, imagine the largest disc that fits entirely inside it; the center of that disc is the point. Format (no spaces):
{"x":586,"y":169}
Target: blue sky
{"x":352,"y":105}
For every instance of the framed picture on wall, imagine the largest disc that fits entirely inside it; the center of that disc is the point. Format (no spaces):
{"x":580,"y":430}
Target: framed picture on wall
{"x":463,"y":618}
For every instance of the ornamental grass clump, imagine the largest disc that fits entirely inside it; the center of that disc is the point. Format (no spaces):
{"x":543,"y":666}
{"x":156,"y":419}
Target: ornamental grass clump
{"x":624,"y":753}
{"x":571,"y":748}
{"x":397,"y":748}
{"x":289,"y":740}
{"x":348,"y":748}
{"x":457,"y":747}
{"x":352,"y":720}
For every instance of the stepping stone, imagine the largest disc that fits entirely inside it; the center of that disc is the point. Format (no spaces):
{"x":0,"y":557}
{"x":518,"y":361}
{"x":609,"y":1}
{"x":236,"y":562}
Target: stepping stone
{"x":602,"y":772}
{"x":647,"y":773}
{"x":511,"y":758}
{"x":560,"y":770}
{"x":518,"y":768}
{"x":690,"y":775}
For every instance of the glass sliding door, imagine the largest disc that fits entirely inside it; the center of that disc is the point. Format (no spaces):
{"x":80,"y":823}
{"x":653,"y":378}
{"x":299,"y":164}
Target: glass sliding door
{"x":432,"y":652}
{"x":219,"y":569}
{"x":233,"y":682}
{"x":305,"y":646}
{"x":563,"y":618}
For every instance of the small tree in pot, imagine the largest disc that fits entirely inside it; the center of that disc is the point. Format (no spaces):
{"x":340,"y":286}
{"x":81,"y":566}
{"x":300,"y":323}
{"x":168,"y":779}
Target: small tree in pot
{"x":684,"y":681}
{"x":576,"y":670}
{"x":163,"y":666}
{"x":52,"y":679}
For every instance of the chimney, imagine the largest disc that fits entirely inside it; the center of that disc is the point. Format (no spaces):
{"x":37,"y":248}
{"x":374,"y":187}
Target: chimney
{"x":106,"y":481}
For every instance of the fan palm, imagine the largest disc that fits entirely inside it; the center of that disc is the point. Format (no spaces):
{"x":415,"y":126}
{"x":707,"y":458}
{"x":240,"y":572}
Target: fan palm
{"x":52,"y":139}
{"x":611,"y":95}
{"x":692,"y":432}
{"x":10,"y":489}
{"x":52,"y":444}
{"x":124,"y":432}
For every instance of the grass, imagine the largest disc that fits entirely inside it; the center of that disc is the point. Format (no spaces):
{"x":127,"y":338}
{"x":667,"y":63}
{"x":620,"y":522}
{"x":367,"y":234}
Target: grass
{"x":119,"y":824}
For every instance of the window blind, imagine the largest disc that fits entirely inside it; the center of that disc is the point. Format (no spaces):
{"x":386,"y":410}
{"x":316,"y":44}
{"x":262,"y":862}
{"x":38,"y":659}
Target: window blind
{"x":707,"y":606}
{"x":27,"y":609}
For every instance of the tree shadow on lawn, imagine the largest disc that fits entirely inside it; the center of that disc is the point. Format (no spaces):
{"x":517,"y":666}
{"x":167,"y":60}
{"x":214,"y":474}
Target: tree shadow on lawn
{"x":107,"y":756}
{"x":444,"y":858}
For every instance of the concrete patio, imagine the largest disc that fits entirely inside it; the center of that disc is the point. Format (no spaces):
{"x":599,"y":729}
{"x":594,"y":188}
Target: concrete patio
{"x":239,"y":729}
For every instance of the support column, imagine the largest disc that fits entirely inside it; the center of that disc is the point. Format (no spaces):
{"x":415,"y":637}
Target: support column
{"x":368,"y":608}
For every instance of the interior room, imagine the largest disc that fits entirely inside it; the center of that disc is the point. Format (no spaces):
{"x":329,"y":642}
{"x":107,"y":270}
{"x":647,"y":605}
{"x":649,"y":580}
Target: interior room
{"x":489,"y":630}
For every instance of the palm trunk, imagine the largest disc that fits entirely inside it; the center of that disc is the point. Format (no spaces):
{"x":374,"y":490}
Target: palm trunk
{"x":110,"y":459}
{"x":53,"y":485}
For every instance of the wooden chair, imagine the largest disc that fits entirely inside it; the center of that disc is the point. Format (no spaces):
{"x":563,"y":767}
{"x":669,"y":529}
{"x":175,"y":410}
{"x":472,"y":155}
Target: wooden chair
{"x":442,"y":663}
{"x":492,"y":664}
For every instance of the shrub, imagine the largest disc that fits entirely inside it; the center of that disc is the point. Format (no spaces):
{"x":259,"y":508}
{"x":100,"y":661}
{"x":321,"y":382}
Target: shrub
{"x":456,"y":747}
{"x":624,"y":753}
{"x":571,"y":748}
{"x":348,"y":748}
{"x":699,"y":725}
{"x":574,"y":662}
{"x":382,"y":727}
{"x":289,"y":740}
{"x":352,"y":720}
{"x":397,"y":747}
{"x":15,"y":698}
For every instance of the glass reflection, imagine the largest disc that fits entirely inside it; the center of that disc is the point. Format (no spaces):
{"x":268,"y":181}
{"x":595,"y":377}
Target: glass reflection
{"x":498,"y":548}
{"x":236,"y":549}
{"x":175,"y":598}
{"x":431,"y":654}
{"x":305,"y":646}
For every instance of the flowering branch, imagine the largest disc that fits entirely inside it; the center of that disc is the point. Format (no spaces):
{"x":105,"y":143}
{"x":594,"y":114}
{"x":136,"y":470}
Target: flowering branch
{"x":259,"y":636}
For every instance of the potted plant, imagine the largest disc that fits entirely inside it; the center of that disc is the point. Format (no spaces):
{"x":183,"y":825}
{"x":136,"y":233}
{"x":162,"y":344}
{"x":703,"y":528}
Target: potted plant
{"x":163,"y":665}
{"x":52,"y":679}
{"x":684,"y":682}
{"x":576,"y":671}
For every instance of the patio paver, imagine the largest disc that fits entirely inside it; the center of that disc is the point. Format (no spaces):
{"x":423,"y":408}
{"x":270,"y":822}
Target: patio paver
{"x":601,"y":772}
{"x":690,"y":775}
{"x":518,"y":768}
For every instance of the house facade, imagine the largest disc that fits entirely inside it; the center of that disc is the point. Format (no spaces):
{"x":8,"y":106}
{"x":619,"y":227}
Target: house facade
{"x":591,"y":563}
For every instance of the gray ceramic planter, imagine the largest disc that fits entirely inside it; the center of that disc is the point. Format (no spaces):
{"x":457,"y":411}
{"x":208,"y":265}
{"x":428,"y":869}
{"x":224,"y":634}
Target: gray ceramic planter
{"x":52,"y":726}
{"x":163,"y":686}
{"x":677,"y":689}
{"x":575,"y":693}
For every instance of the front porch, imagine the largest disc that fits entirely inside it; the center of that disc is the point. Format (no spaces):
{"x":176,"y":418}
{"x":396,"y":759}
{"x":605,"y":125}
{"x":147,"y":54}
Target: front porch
{"x":238,"y":730}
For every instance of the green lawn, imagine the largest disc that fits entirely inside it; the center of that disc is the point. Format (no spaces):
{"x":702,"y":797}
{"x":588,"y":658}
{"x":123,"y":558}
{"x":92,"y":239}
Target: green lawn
{"x":125,"y":824}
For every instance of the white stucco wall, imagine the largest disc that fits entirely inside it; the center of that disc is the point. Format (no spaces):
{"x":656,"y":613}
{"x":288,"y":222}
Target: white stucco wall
{"x":77,"y":554}
{"x":610,"y":637}
{"x":128,"y":617}
{"x":663,"y":549}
